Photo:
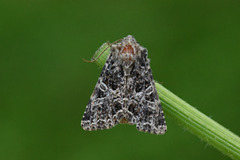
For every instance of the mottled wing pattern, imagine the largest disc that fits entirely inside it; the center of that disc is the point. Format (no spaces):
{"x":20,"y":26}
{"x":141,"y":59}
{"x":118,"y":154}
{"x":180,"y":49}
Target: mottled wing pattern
{"x":125,"y":92}
{"x":105,"y":104}
{"x":144,"y":108}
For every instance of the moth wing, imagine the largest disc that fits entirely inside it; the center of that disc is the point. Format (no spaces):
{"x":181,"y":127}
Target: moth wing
{"x":145,"y":109}
{"x":105,"y":103}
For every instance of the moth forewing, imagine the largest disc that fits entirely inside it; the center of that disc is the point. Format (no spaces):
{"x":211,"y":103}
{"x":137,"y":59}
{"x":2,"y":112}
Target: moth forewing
{"x":125,"y":92}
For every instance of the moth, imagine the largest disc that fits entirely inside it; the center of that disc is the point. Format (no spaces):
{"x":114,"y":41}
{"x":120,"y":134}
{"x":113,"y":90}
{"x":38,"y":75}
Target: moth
{"x":125,"y":92}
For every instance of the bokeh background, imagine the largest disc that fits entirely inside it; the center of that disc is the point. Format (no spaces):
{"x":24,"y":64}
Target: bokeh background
{"x":194,"y":47}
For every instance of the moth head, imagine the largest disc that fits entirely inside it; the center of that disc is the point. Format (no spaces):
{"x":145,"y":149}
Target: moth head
{"x":129,"y":48}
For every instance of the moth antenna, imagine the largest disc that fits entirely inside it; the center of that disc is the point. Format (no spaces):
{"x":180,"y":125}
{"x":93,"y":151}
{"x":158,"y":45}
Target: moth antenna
{"x":89,"y":61}
{"x":109,"y":45}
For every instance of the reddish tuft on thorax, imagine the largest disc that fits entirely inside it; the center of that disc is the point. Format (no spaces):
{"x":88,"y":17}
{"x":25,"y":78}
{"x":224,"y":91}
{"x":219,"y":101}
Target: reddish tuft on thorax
{"x":128,"y":49}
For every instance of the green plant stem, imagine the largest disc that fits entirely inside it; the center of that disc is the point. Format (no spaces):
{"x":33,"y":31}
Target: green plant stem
{"x":199,"y":124}
{"x":189,"y":117}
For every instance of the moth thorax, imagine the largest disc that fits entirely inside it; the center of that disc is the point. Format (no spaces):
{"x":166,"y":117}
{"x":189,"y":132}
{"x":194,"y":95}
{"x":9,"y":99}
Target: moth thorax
{"x":127,"y":53}
{"x":127,"y":67}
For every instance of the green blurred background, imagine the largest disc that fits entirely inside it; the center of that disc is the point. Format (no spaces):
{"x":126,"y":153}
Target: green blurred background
{"x":194,"y":47}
